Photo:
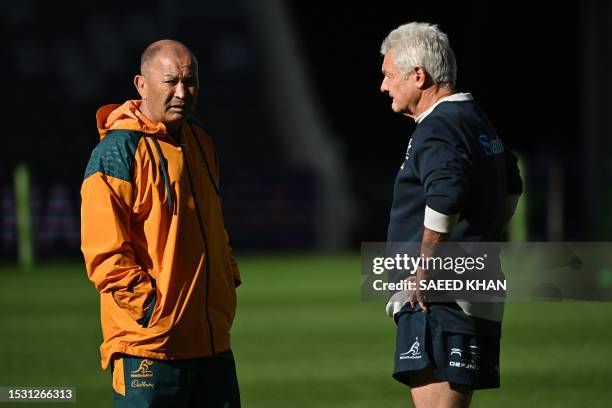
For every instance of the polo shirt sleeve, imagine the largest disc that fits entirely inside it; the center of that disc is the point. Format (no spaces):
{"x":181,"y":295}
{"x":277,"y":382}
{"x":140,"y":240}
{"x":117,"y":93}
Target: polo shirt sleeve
{"x":442,"y":163}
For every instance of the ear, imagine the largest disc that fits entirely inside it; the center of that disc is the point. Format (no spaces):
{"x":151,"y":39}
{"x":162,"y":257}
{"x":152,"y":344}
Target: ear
{"x":421,"y":77}
{"x":139,"y":83}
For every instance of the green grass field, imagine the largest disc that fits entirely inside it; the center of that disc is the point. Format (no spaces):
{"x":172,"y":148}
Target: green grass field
{"x":303,"y":338}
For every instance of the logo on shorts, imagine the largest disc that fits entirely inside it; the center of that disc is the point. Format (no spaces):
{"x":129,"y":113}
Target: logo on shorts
{"x":470,"y":362}
{"x":413,"y":353}
{"x":143,"y":370}
{"x":141,"y":384}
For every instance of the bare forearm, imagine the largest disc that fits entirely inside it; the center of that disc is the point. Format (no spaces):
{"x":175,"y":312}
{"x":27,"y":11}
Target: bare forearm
{"x":430,"y":240}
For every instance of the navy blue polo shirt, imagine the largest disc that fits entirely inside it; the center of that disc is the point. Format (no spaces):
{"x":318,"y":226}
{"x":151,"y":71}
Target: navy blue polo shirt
{"x":455,"y":164}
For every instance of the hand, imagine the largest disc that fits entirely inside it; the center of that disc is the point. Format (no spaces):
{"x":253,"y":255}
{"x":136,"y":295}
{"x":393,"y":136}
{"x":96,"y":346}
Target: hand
{"x":412,"y":296}
{"x":417,"y":295}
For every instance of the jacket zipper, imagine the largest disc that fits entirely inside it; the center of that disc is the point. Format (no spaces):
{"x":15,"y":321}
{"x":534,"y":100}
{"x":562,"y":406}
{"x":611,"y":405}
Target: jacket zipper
{"x":203,"y":232}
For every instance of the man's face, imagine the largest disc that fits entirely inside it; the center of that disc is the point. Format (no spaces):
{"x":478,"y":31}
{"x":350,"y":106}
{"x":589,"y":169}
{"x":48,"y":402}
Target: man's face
{"x":169,"y":88}
{"x":400,"y":87}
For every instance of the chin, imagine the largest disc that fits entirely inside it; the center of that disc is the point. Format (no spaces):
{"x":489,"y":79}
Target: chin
{"x":175,"y":118}
{"x":399,"y":109}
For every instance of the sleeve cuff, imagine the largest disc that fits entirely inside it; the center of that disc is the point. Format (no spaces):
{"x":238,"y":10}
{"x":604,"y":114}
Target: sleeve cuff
{"x":436,"y":221}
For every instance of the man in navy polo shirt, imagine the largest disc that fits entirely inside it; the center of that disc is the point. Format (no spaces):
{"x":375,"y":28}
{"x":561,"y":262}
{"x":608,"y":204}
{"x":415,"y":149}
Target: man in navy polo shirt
{"x":458,"y":183}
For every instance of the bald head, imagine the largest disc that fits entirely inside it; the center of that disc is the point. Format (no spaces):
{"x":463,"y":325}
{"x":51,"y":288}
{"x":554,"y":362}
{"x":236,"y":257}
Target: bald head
{"x":168,"y":83}
{"x":161,"y":48}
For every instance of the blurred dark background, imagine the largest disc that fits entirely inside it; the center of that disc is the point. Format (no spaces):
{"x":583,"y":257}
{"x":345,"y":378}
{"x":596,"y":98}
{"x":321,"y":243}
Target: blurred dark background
{"x":309,"y":147}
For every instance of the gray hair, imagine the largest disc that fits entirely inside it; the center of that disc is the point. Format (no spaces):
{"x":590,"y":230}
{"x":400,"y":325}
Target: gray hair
{"x":422,"y":45}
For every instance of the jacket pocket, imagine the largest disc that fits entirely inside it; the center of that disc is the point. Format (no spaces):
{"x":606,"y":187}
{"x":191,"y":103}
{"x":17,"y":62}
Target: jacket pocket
{"x":144,"y":321}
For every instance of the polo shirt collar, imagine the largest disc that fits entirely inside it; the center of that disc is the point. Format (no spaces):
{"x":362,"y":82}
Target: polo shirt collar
{"x":456,"y":97}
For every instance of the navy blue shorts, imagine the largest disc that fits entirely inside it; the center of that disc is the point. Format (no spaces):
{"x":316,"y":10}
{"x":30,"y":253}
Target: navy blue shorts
{"x":466,"y":359}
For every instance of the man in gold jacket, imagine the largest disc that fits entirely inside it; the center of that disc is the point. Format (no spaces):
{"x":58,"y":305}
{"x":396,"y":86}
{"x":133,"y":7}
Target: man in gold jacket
{"x":155,"y":245}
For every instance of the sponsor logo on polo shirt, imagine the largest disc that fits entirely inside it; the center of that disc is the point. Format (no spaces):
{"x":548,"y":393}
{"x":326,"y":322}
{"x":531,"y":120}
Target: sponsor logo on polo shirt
{"x":407,"y":153}
{"x":489,"y":146}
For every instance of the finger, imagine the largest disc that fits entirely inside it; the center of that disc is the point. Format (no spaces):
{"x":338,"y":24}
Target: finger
{"x":411,"y":300}
{"x":423,"y":306}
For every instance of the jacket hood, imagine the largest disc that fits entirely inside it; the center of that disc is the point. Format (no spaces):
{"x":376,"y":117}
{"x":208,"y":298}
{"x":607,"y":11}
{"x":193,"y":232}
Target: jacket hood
{"x":125,"y":117}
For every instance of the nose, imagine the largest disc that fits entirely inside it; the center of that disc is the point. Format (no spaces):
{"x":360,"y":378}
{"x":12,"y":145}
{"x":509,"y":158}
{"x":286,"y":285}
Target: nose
{"x":383,"y":85}
{"x":180,"y":91}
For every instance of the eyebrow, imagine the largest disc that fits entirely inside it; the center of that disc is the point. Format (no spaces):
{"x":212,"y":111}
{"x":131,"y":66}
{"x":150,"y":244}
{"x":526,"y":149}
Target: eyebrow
{"x":175,"y":75}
